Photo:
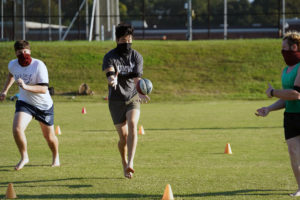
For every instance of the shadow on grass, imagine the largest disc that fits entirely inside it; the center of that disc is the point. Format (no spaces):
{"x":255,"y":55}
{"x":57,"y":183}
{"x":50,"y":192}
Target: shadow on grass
{"x":253,"y":192}
{"x":211,"y":128}
{"x":7,"y":166}
{"x":16,"y":183}
{"x":91,"y":196}
{"x":12,"y":167}
{"x":48,"y":186}
{"x":28,"y":165}
{"x":190,"y":129}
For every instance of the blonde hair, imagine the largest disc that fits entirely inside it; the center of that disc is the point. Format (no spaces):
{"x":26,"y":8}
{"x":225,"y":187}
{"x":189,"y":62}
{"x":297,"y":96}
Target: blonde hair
{"x":292,"y":37}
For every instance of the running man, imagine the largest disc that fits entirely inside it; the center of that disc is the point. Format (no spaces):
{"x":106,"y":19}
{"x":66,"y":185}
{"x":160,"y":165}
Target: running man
{"x":34,"y":101}
{"x":124,"y":67}
{"x":289,"y":98}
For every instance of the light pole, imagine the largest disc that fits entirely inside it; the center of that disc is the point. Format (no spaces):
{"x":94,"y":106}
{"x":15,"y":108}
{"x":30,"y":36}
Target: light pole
{"x":97,"y":21}
{"x":49,"y":19}
{"x":283,"y":17}
{"x":2,"y":21}
{"x":188,"y":6}
{"x":92,"y":20}
{"x":225,"y":19}
{"x":23,"y":21}
{"x":59,"y":19}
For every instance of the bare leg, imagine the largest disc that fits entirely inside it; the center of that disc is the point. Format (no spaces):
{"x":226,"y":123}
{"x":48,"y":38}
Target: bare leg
{"x":122,"y":145}
{"x":49,"y":135}
{"x":20,"y":123}
{"x":132,"y":117}
{"x":294,"y":151}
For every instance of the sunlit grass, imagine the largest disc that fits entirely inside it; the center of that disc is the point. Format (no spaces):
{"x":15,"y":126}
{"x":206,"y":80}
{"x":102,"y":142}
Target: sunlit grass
{"x":179,"y":70}
{"x":183,"y":146}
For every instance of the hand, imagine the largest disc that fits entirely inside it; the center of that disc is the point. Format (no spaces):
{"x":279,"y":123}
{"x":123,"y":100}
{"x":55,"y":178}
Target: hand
{"x":268,"y":91}
{"x":113,"y":80}
{"x":21,"y":83}
{"x":263,"y":112}
{"x":2,"y":96}
{"x":144,"y":98}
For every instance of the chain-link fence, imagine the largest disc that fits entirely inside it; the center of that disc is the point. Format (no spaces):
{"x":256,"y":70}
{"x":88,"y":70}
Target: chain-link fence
{"x":152,"y":19}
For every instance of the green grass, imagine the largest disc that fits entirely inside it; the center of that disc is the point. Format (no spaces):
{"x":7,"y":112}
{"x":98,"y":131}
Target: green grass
{"x":179,"y":70}
{"x":183,"y":146}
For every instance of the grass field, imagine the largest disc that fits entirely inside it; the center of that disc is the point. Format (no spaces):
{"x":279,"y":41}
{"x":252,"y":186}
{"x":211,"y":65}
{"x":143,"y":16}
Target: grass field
{"x":183,"y":146}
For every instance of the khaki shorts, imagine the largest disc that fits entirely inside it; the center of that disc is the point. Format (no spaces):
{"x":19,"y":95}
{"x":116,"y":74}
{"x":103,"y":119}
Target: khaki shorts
{"x":118,"y":109}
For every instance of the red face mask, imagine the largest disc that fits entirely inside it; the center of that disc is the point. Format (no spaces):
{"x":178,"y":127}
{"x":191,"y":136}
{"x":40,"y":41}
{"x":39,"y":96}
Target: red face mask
{"x":291,"y":58}
{"x":24,"y":59}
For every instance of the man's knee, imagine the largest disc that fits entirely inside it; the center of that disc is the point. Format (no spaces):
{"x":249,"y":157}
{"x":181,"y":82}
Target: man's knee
{"x":293,"y":150}
{"x":123,"y":139}
{"x":47,"y":136}
{"x":17,"y":130}
{"x":132,"y":124}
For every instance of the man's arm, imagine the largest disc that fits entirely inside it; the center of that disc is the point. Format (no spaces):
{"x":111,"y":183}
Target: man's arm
{"x":286,"y":94}
{"x":111,"y":76}
{"x":9,"y":81}
{"x":32,"y":88}
{"x":136,"y":80}
{"x":280,"y":104}
{"x":264,"y":111}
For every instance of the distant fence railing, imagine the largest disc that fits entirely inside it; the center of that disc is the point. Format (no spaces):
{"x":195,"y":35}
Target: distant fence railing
{"x":152,"y":27}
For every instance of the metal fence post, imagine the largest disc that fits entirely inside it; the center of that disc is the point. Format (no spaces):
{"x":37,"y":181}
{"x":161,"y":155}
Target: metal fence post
{"x":208,"y":20}
{"x":2,"y":21}
{"x":283,"y":17}
{"x":87,"y":19}
{"x":102,"y":32}
{"x":113,"y":33}
{"x":92,"y":20}
{"x":23,"y":20}
{"x":49,"y":19}
{"x":59,"y":19}
{"x":190,"y":21}
{"x":225,"y":19}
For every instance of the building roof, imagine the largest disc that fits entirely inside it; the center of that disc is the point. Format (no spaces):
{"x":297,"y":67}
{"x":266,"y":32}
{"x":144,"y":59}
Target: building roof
{"x":38,"y":25}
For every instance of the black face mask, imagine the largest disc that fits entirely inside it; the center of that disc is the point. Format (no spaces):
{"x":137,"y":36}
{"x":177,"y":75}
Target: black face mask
{"x":124,"y":49}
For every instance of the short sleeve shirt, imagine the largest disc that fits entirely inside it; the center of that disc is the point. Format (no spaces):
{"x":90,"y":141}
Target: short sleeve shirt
{"x":129,"y":67}
{"x":33,"y":74}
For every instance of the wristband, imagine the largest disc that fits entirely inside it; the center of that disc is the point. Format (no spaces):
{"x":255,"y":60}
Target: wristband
{"x":271,"y":93}
{"x":108,"y":74}
{"x":297,"y":88}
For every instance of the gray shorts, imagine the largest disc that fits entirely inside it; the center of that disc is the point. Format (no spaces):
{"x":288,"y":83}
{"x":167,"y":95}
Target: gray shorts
{"x":118,"y":109}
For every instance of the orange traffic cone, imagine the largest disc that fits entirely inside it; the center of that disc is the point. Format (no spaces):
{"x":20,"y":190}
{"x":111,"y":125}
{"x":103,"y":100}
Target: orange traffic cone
{"x":10,"y":192}
{"x":141,"y":130}
{"x":83,"y":111}
{"x":228,"y":149}
{"x":168,"y":194}
{"x":57,"y":130}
